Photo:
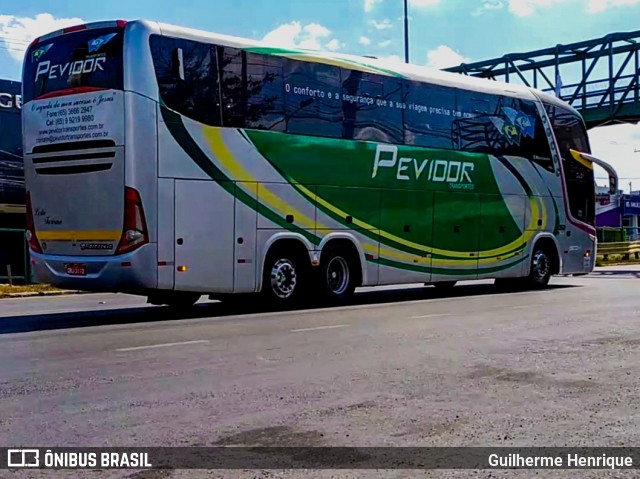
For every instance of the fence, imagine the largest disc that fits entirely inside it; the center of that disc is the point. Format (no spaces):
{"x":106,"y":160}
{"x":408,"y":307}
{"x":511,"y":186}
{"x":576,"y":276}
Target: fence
{"x":617,"y":235}
{"x":626,"y":249}
{"x":14,"y":257}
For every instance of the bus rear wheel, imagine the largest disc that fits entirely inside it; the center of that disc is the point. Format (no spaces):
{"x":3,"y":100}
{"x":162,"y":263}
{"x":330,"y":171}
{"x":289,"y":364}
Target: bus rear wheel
{"x":338,"y":274}
{"x":285,"y":278}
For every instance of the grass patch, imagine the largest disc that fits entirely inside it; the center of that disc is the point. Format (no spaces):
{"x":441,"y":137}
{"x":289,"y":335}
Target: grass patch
{"x":6,"y":290}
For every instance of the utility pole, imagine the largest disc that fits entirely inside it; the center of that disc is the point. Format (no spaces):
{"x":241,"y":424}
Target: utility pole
{"x":406,"y":31}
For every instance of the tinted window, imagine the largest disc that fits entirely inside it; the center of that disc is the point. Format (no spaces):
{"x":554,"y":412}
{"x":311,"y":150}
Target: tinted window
{"x":252,"y":90}
{"x":232,"y":67}
{"x":501,"y":126}
{"x":312,"y":99}
{"x":571,"y":133}
{"x":429,"y":114}
{"x":88,"y":58}
{"x":370,"y":107}
{"x":265,"y":92}
{"x":11,"y":165}
{"x":187,"y":77}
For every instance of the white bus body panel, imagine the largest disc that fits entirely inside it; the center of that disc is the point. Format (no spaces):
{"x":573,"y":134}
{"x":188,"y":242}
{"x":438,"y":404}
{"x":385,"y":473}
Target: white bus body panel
{"x":166,"y":232}
{"x":204,"y":231}
{"x":246,"y":264}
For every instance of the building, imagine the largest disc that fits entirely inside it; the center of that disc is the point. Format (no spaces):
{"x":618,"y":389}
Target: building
{"x":12,"y":193}
{"x":620,"y":212}
{"x":608,"y":208}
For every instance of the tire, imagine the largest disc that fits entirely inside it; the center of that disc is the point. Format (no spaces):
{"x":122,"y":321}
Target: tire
{"x":540,"y":268}
{"x":445,"y":285}
{"x":285,"y":278}
{"x":338,"y":274}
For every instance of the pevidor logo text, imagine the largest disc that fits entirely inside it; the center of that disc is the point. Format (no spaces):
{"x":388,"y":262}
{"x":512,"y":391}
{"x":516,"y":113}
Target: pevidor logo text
{"x":456,"y":173}
{"x":89,"y":65}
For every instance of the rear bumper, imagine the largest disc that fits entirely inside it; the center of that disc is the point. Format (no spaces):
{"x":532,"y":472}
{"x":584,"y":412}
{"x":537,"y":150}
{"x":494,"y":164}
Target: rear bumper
{"x":104,"y":273}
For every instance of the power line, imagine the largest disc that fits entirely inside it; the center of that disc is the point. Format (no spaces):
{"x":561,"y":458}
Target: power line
{"x":6,"y":38}
{"x":12,"y":49}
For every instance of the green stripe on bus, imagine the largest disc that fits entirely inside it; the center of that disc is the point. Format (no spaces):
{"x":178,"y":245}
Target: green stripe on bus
{"x":447,"y":271}
{"x":183,"y":138}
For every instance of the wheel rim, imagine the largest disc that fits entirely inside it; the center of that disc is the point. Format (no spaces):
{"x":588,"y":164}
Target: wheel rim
{"x":338,"y":275}
{"x":540,"y":265}
{"x":283,"y":278}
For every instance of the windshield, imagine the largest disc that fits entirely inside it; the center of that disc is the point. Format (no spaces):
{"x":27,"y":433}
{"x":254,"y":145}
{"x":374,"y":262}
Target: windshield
{"x":571,"y":133}
{"x":87,"y":58}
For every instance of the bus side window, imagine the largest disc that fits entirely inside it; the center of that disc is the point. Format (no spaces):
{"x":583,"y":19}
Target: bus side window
{"x":428,"y":115}
{"x":187,"y":79}
{"x":232,"y":68}
{"x":502,"y":126}
{"x":476,"y":130}
{"x":371,"y":107}
{"x":264,"y":92}
{"x":311,"y":97}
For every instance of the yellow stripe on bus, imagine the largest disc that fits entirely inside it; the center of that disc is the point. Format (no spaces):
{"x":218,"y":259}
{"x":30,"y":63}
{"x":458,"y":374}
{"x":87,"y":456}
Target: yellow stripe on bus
{"x":75,"y":235}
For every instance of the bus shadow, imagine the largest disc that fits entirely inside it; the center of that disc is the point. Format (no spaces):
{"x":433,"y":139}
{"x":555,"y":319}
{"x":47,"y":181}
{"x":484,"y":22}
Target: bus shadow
{"x":614,"y":273}
{"x":220,"y":310}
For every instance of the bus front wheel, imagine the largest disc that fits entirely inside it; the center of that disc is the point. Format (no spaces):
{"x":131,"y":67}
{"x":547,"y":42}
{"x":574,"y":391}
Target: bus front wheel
{"x":541,"y":267}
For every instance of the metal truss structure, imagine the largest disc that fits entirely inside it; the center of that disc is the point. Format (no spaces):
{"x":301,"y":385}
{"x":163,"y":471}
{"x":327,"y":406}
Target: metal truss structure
{"x":605,"y":87}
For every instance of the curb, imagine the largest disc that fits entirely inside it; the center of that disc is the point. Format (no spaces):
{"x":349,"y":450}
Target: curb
{"x":41,"y":293}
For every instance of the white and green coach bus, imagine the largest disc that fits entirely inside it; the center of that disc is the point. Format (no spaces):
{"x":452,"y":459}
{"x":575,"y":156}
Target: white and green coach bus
{"x":174,"y":163}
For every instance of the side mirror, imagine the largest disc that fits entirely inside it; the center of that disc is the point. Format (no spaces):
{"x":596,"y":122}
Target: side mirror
{"x":588,"y":160}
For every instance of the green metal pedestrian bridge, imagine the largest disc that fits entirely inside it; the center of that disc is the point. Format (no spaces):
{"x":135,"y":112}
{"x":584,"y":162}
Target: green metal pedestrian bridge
{"x":601,"y":75}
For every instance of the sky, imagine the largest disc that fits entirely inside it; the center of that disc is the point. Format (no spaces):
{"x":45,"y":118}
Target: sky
{"x":442,"y":33}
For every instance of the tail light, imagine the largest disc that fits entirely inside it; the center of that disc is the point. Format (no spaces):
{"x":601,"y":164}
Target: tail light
{"x":74,"y":28}
{"x":134,"y":229}
{"x":34,"y":244}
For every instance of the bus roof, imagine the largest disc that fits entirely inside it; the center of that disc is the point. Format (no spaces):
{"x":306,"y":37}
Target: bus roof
{"x":384,"y":66}
{"x":389,"y":67}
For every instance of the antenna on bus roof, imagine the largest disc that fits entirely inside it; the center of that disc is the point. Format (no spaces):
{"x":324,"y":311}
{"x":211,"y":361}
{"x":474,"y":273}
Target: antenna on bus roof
{"x":370,"y":56}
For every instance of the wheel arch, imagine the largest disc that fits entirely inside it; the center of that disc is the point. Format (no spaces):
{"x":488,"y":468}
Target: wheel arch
{"x":282,"y":240}
{"x":349,"y":241}
{"x":551,"y":242}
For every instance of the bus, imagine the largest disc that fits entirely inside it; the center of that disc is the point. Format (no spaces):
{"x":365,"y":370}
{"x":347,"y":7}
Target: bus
{"x":174,"y":164}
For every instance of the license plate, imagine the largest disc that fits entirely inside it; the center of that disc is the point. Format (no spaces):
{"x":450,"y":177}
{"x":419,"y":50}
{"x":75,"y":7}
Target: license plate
{"x":77,"y":269}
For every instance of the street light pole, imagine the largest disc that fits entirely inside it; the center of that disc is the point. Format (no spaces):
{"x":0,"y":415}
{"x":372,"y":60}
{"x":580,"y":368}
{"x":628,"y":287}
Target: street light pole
{"x":406,"y":32}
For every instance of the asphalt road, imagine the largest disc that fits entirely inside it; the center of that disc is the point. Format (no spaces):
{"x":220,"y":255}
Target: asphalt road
{"x":404,"y":367}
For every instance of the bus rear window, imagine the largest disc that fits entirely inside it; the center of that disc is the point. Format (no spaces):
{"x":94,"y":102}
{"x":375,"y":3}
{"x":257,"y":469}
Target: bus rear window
{"x":87,"y":58}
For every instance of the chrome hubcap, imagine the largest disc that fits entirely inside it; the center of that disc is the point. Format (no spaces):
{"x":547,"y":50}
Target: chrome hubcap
{"x":337,"y":275}
{"x":283,"y":278}
{"x":540,"y":265}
